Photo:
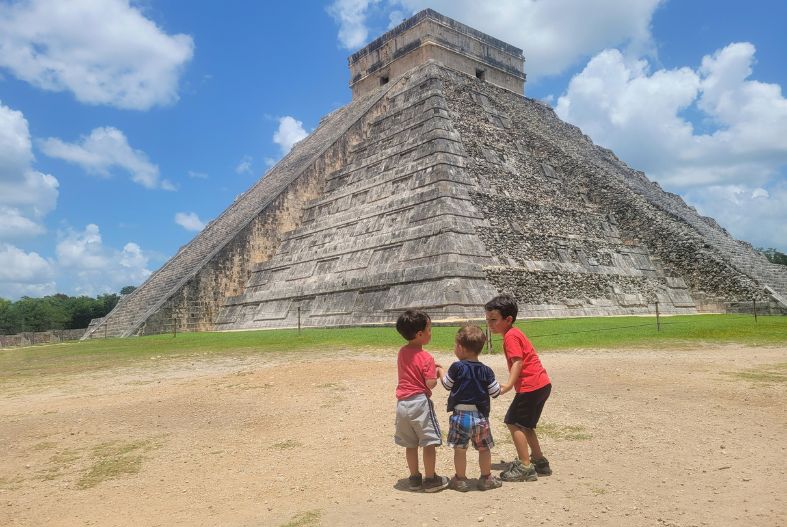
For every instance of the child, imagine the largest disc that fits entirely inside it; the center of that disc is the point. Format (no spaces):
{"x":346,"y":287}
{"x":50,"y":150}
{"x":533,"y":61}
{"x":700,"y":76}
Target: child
{"x":531,"y":382}
{"x":416,"y":423}
{"x":471,"y":384}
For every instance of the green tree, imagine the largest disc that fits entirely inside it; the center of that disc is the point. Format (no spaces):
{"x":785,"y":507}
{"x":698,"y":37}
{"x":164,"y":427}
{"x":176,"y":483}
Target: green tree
{"x":774,"y":256}
{"x":128,"y":290}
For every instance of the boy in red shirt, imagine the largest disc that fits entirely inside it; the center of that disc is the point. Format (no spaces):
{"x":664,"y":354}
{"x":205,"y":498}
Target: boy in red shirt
{"x":416,"y":422}
{"x":531,"y":382}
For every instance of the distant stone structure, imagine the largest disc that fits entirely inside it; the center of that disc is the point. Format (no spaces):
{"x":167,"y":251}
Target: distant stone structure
{"x":438,"y":187}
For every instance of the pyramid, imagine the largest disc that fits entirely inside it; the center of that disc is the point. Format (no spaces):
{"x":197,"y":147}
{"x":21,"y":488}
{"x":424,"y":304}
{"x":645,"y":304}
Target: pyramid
{"x":439,"y":186}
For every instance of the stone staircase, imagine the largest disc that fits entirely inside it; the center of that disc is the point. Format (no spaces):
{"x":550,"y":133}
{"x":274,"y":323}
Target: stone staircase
{"x":128,"y":316}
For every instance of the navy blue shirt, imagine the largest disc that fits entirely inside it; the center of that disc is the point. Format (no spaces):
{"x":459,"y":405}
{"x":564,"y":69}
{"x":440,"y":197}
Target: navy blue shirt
{"x":470,"y":382}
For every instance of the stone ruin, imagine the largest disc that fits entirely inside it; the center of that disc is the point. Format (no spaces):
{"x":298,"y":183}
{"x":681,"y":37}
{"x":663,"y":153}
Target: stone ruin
{"x":437,"y":187}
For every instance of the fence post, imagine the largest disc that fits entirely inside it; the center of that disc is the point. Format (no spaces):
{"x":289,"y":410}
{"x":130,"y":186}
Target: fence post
{"x":489,"y":348}
{"x":658,"y":321}
{"x":299,"y":320}
{"x":754,"y":306}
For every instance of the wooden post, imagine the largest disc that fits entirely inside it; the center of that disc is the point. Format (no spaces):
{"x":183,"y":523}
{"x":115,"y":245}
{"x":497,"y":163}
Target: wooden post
{"x":658,"y":321}
{"x":299,"y":320}
{"x":754,"y":306}
{"x":489,"y":348}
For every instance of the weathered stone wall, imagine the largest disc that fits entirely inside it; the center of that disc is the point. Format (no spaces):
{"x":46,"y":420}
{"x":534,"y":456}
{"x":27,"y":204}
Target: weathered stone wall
{"x":195,"y":306}
{"x":169,"y":281}
{"x":431,"y":36}
{"x":395,"y":228}
{"x":559,"y":204}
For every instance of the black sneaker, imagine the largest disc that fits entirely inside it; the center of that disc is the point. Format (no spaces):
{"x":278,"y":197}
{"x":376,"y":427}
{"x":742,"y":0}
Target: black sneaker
{"x":488,"y":483}
{"x":462,"y":485}
{"x":435,"y":483}
{"x":414,"y":482}
{"x":542,"y":466}
{"x":516,"y":471}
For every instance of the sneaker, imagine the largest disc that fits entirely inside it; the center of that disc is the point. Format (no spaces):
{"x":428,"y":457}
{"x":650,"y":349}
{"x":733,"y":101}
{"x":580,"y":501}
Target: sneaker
{"x":414,"y":482}
{"x":542,"y":466}
{"x":489,"y":482}
{"x":516,"y":471}
{"x":462,"y":485}
{"x":435,"y":483}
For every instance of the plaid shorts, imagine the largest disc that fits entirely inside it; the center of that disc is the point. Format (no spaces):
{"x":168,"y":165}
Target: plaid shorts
{"x":469,"y":426}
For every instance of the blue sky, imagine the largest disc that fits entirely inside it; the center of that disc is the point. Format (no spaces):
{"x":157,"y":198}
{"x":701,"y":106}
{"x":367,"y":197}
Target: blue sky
{"x":125,"y":126}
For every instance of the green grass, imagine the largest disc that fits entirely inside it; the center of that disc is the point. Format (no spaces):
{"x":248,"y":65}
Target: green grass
{"x":114,"y":459}
{"x":552,"y":334}
{"x":304,"y":519}
{"x":770,"y":374}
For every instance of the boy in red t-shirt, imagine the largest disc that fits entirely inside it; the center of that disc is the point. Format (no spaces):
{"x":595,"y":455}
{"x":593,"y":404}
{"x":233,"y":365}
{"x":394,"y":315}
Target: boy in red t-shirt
{"x":416,"y":422}
{"x":531,"y":382}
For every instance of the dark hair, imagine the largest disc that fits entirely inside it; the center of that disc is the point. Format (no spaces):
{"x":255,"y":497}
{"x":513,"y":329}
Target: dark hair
{"x":471,"y":338}
{"x":411,"y":322}
{"x":506,"y":304}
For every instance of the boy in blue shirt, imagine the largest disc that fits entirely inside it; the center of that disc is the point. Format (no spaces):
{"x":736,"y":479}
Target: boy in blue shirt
{"x":472,"y":384}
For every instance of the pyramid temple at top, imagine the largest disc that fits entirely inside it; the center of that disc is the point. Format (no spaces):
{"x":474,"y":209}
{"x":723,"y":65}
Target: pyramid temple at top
{"x":437,"y":187}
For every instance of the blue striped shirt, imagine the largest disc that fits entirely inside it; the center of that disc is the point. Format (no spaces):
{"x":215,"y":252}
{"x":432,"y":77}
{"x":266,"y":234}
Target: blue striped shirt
{"x":470,"y":382}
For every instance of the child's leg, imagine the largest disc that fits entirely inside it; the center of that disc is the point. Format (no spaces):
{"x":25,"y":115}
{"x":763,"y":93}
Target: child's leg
{"x":412,"y":460}
{"x":460,"y":462}
{"x":430,"y":459}
{"x":532,"y":441}
{"x":485,"y":461}
{"x":520,"y":442}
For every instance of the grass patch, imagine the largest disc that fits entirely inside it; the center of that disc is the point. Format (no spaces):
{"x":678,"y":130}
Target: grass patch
{"x":568,"y":432}
{"x":334,"y":386}
{"x":774,"y":373}
{"x":114,"y":459}
{"x":286,"y":445}
{"x":46,"y":445}
{"x":547,"y":334}
{"x":59,"y":463}
{"x":304,"y":519}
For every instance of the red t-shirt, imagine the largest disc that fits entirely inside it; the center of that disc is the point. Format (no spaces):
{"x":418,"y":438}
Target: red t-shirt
{"x":415,"y":365}
{"x":533,"y":375}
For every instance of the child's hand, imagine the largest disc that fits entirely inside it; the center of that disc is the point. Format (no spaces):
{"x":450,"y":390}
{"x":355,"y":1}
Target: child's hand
{"x":504,"y":388}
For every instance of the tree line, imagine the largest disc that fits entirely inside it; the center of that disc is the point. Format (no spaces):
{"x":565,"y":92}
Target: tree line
{"x":55,"y":312}
{"x":774,"y":256}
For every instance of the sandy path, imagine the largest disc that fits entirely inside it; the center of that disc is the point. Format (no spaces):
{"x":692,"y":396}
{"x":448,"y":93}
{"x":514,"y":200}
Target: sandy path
{"x":664,"y":438}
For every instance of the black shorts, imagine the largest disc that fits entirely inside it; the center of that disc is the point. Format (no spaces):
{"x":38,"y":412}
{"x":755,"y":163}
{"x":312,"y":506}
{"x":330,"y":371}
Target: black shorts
{"x":525,"y":409}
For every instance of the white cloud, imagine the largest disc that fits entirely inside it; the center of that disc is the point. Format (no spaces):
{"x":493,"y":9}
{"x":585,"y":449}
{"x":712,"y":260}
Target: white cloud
{"x":757,"y":216}
{"x":26,"y":196}
{"x":189,"y":221}
{"x":104,"y":149}
{"x":639,"y":115}
{"x":197,"y":175}
{"x":95,"y":268}
{"x":24,"y":273}
{"x":103,"y":51}
{"x":244,"y":167}
{"x":351,"y":17}
{"x":734,"y":170}
{"x":290,"y":131}
{"x":554,"y":34}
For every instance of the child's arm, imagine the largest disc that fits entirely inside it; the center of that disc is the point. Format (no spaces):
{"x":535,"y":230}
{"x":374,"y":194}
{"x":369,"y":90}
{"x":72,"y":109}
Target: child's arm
{"x":513,"y":375}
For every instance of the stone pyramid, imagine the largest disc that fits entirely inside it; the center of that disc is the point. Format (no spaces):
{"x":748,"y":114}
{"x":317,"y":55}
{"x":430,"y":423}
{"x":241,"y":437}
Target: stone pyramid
{"x":439,"y":186}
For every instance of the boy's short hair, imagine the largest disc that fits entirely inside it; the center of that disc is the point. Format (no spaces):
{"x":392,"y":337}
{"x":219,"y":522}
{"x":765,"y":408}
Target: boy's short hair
{"x":506,"y":304}
{"x":471,"y":338}
{"x":411,"y":322}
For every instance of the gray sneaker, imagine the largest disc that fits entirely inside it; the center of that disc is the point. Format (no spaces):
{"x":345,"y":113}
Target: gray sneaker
{"x":462,"y":485}
{"x":542,"y":466}
{"x":516,"y":471}
{"x":414,"y":482}
{"x":435,"y":483}
{"x":488,"y":483}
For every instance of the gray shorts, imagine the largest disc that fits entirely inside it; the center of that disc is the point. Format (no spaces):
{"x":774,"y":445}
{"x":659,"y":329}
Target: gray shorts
{"x":416,"y":423}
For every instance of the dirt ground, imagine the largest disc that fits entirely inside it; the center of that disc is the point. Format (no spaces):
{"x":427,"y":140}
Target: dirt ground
{"x":683,"y":437}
